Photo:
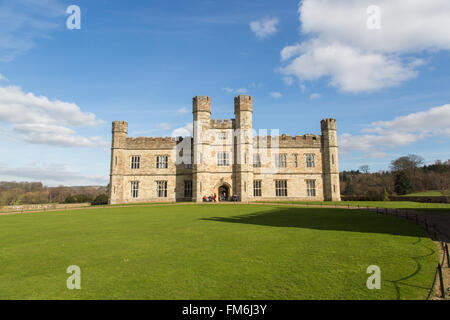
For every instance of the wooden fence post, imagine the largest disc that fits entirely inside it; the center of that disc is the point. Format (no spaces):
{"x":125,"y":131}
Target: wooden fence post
{"x":448,"y":257}
{"x":441,"y":281}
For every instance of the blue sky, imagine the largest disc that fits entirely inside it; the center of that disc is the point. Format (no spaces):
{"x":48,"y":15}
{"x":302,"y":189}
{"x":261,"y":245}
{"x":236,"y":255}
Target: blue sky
{"x":143,"y":61}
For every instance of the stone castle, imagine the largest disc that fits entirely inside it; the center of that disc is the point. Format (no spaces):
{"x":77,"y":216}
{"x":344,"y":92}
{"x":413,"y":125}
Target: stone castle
{"x":225,"y":158}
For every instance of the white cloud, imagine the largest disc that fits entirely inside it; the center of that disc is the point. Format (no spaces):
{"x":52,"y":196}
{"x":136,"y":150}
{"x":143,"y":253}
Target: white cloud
{"x":229,"y":90}
{"x":290,"y":51}
{"x":348,"y":68}
{"x":36,"y":119}
{"x":241,"y":90}
{"x":314,"y":96}
{"x":238,"y":91}
{"x":436,"y":120}
{"x":264,"y":27}
{"x":3,"y":78}
{"x":183,"y":110}
{"x":401,"y":131}
{"x":54,"y":173}
{"x":276,"y":95}
{"x":22,"y":22}
{"x":406,"y":25}
{"x":357,"y":59}
{"x":185,"y":131}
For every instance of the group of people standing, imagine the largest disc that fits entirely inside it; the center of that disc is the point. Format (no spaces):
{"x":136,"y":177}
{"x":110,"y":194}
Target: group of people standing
{"x":213,"y":198}
{"x":210,"y":198}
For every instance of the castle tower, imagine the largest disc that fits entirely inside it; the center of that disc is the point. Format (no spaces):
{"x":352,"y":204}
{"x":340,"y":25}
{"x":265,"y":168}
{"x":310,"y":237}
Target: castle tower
{"x":243,"y":155}
{"x":201,"y":109}
{"x":330,"y":165}
{"x":119,"y":136}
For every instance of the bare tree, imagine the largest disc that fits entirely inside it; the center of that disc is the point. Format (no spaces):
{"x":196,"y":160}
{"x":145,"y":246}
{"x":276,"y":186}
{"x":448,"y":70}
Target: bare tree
{"x":364,"y":168}
{"x":408,"y":163}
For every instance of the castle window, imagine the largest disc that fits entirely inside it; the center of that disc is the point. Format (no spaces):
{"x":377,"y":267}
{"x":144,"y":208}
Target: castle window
{"x":332,"y":159}
{"x":295,"y":161}
{"x":115,"y":161}
{"x":334,"y":188}
{"x":311,"y":188}
{"x":281,"y":188}
{"x":257,"y":160}
{"x":188,"y":188}
{"x":161,"y":189}
{"x":280,"y":160}
{"x":135,"y":162}
{"x":257,"y":192}
{"x":223,"y":159}
{"x":134,"y":189}
{"x":162,"y":162}
{"x":310,"y":161}
{"x":223,"y":136}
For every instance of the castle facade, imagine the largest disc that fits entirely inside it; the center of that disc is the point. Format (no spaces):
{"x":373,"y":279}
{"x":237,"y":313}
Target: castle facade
{"x":227,"y":158}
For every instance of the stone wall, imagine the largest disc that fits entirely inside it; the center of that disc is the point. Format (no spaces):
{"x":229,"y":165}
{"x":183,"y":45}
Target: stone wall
{"x":234,"y":137}
{"x":42,"y":207}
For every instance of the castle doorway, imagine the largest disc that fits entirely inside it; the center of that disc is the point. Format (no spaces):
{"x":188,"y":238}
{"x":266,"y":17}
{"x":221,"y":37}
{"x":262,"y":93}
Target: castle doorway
{"x":224,"y":193}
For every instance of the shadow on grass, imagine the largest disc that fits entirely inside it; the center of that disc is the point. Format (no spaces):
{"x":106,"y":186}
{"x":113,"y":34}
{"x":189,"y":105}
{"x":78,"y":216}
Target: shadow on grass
{"x":400,"y":282}
{"x":326,"y":219}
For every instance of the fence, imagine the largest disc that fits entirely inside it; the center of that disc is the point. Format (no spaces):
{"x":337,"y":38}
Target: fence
{"x":424,"y":199}
{"x":41,"y":207}
{"x":432,"y":230}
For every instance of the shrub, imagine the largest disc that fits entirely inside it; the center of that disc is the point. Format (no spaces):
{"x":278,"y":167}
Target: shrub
{"x":402,"y":183}
{"x":78,"y":198}
{"x":386,"y":196}
{"x":100,"y":200}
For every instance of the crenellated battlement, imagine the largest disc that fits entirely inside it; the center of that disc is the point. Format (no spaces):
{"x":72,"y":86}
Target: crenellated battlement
{"x":201,"y":104}
{"x":242,"y":103}
{"x":120,"y":126}
{"x":243,"y":98}
{"x":328,"y":124}
{"x":151,"y":143}
{"x":286,"y":141}
{"x":221,"y":124}
{"x":201,"y":98}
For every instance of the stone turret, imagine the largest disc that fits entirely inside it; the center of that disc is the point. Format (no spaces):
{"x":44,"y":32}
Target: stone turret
{"x":119,"y":142}
{"x":330,"y":164}
{"x":201,"y":110}
{"x":119,"y":134}
{"x":243,"y":162}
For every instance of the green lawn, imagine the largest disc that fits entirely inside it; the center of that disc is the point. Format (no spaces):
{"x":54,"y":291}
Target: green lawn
{"x":431,"y":193}
{"x":213,"y":252}
{"x":374,"y":204}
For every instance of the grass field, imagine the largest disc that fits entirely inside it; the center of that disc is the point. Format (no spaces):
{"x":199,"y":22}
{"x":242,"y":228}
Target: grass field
{"x":374,"y":204}
{"x":213,"y":252}
{"x":431,"y":193}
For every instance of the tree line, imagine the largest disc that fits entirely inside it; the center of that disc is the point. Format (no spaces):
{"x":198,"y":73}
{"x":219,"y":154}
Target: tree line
{"x":407,"y":174}
{"x":17,"y":193}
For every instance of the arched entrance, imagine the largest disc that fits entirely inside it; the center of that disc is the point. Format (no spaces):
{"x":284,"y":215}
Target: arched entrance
{"x":224,"y":193}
